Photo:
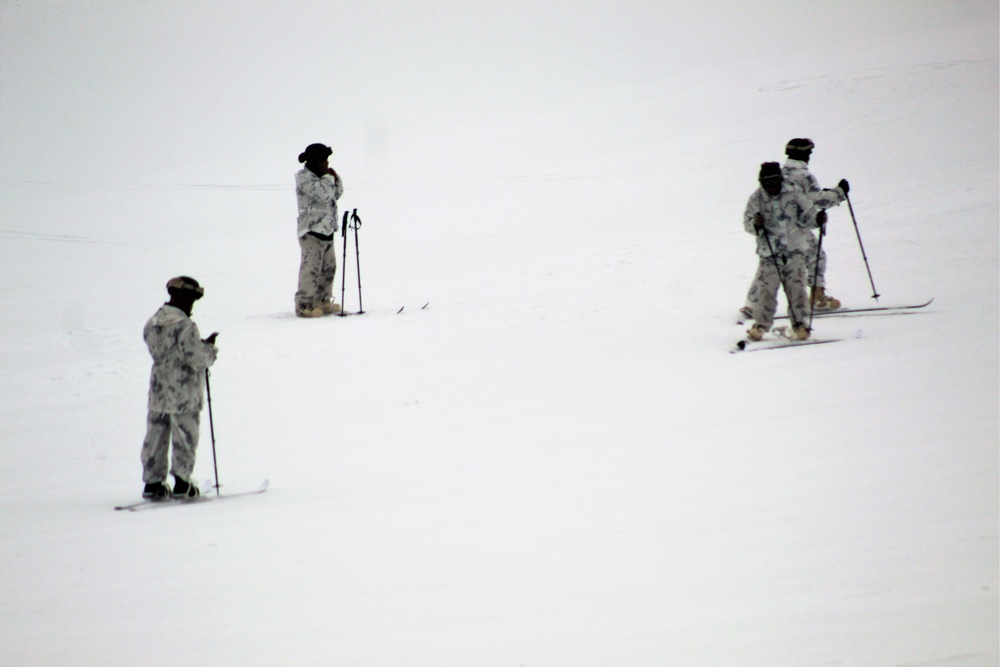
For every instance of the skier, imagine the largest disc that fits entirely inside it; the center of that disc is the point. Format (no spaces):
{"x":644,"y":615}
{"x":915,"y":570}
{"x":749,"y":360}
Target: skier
{"x":780,"y":216}
{"x":317,"y":187}
{"x":176,"y":388}
{"x":796,"y":172}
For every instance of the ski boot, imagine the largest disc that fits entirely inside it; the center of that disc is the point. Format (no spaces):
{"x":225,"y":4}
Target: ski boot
{"x":185,"y":489}
{"x":756,"y":332}
{"x":823,"y":301}
{"x":156,"y":491}
{"x":309,"y":311}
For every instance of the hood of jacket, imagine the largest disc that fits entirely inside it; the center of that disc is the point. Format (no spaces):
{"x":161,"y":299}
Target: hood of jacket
{"x":168,"y":314}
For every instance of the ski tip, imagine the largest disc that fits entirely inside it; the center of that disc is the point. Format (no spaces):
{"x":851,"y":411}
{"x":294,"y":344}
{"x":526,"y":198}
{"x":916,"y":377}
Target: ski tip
{"x":400,"y":310}
{"x":424,"y":307}
{"x":265,"y":484}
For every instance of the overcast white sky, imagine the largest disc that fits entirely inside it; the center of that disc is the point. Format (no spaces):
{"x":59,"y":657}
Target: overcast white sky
{"x":144,"y":94}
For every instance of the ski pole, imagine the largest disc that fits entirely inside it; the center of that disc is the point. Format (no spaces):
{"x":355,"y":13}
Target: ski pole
{"x":356,"y":224}
{"x":211,"y":428}
{"x":343,"y":265}
{"x":781,"y":276}
{"x":815,"y":280}
{"x":875,"y":293}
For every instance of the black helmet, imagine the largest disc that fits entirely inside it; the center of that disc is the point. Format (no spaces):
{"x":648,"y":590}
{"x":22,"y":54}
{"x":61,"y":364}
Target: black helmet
{"x":315,"y":153}
{"x":799,"y":147}
{"x":185,"y":286}
{"x":770,"y":172}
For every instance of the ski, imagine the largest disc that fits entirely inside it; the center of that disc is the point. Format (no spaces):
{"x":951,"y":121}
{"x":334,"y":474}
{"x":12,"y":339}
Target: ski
{"x":874,"y":309}
{"x":780,"y":344}
{"x":885,"y":310}
{"x":149,"y":503}
{"x":423,"y":307}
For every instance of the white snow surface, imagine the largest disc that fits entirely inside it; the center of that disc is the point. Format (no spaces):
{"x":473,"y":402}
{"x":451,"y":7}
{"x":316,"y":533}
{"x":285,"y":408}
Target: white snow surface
{"x":557,"y":463}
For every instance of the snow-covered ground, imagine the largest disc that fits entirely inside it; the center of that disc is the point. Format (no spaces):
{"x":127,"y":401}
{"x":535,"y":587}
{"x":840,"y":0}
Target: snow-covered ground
{"x":556,"y":464}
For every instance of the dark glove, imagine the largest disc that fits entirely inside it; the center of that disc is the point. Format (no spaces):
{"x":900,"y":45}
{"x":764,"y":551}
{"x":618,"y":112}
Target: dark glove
{"x":758,"y":221}
{"x":844,"y":185}
{"x":821,"y":218}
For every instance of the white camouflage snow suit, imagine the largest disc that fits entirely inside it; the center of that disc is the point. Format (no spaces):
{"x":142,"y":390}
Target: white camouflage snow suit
{"x":788,"y":218}
{"x":317,"y":223}
{"x":797,"y":173}
{"x":176,"y":390}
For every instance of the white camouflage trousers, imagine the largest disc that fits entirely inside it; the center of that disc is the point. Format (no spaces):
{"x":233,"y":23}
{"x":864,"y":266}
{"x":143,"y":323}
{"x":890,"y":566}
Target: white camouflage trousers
{"x":161,"y":428}
{"x":316,"y":272}
{"x":816,"y":273}
{"x":763,"y":296}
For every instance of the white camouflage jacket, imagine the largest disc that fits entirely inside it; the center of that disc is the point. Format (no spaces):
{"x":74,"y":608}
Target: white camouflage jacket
{"x":797,"y":173}
{"x":180,"y":357}
{"x":787,"y":219}
{"x":317,"y":202}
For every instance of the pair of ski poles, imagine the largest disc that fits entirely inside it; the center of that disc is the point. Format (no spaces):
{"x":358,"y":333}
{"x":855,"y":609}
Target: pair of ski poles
{"x":781,"y":276}
{"x":780,"y":267}
{"x":353,"y":222}
{"x":819,"y":254}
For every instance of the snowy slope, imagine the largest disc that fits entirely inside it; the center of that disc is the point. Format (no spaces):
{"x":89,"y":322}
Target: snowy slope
{"x":556,"y":463}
